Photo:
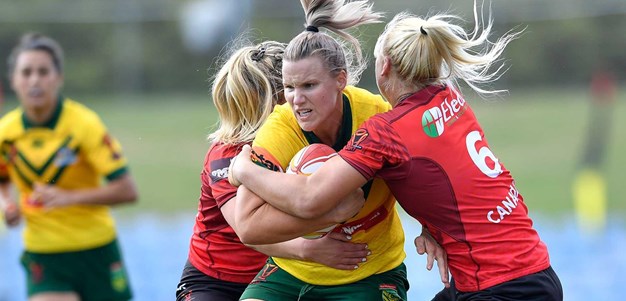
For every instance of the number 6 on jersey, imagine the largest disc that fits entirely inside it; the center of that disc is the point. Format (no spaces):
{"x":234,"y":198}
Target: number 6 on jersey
{"x":480,"y":156}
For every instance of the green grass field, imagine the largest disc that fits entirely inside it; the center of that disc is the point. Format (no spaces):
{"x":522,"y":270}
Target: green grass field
{"x":539,"y":136}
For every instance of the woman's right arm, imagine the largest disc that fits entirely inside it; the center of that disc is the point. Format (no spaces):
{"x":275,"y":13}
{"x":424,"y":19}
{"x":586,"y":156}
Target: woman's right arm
{"x":10,"y":209}
{"x":333,"y":250}
{"x":257,"y":222}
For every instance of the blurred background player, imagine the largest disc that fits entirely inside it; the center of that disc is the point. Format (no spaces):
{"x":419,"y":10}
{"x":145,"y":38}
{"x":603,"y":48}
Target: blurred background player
{"x":590,"y":186}
{"x":56,"y":152}
{"x":219,"y":266}
{"x":431,"y":151}
{"x":1,"y":96}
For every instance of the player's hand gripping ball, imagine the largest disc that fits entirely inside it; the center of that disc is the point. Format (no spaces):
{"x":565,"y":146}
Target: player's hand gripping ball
{"x":306,"y":162}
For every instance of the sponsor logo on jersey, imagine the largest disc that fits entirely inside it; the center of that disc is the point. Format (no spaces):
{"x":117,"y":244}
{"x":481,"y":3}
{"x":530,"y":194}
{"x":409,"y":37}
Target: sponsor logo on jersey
{"x":9,"y":151}
{"x":437,"y":118}
{"x":351,"y":229}
{"x":506,"y":206}
{"x":359,"y":136}
{"x":37,"y":143}
{"x":261,"y":160}
{"x":219,"y":169}
{"x":267,"y":270}
{"x":36,"y":272}
{"x":118,"y":277}
{"x":389,"y":292}
{"x":181,"y":287}
{"x":64,"y":157}
{"x":365,"y":223}
{"x":108,"y":141}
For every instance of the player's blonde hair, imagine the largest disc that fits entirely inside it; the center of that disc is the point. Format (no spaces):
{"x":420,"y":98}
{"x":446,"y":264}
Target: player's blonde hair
{"x":435,"y":51}
{"x":336,"y":16}
{"x":245,"y":91}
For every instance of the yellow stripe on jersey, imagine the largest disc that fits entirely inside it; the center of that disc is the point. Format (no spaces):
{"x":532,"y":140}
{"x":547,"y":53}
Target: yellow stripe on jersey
{"x":280,"y":138}
{"x":73,"y":151}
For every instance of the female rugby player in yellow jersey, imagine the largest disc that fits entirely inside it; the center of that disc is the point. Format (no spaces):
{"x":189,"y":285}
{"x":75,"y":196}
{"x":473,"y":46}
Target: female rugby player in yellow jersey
{"x":323,"y":108}
{"x":56,"y":152}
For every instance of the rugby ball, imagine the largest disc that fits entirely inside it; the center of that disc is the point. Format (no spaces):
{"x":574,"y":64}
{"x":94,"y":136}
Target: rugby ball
{"x":306,"y":162}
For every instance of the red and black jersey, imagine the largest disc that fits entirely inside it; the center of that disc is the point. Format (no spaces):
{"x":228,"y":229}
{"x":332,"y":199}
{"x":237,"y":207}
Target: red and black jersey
{"x":215,"y":248}
{"x":432,"y":153}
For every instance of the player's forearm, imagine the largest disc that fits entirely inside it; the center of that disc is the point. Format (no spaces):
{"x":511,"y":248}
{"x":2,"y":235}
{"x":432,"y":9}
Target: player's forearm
{"x":8,"y":208}
{"x":291,"y":249}
{"x":288,"y":193}
{"x":5,"y":195}
{"x":118,"y":191}
{"x":257,"y":222}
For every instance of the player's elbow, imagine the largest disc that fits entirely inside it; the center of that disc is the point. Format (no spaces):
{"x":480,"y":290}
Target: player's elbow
{"x":251,"y":240}
{"x":129,"y":194}
{"x":124,"y":189}
{"x":251,"y":236}
{"x":313,"y":200}
{"x":310,"y":207}
{"x":132,"y":196}
{"x":246,"y":237}
{"x":245,"y":230}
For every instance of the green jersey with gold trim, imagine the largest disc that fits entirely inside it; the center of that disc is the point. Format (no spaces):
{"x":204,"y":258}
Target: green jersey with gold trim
{"x":73,"y":150}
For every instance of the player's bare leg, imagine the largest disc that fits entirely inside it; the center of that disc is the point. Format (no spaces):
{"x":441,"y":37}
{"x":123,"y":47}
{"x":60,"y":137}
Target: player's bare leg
{"x":66,"y":296}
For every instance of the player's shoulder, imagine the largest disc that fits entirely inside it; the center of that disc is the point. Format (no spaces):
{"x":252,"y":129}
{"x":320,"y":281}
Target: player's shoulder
{"x":80,"y":117}
{"x":281,"y":125}
{"x":219,"y":150}
{"x":217,"y":159}
{"x":77,"y":110}
{"x":11,"y":121}
{"x":83,"y":123}
{"x":282,"y":114}
{"x":360,"y":97}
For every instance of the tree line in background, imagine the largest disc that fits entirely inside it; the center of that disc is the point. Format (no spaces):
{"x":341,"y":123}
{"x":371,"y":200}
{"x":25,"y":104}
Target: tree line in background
{"x":150,"y":56}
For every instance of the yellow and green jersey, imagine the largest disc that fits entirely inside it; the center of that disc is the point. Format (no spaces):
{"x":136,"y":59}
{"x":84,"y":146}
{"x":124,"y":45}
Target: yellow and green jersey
{"x":73,"y":150}
{"x":377,"y":224}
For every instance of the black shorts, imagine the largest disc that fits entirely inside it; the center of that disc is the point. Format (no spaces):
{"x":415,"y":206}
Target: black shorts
{"x":197,"y":286}
{"x":540,"y":286}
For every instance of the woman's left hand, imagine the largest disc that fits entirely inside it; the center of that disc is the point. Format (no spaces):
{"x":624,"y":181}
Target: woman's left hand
{"x":235,"y":165}
{"x":425,"y":243}
{"x":50,"y":196}
{"x":336,"y":251}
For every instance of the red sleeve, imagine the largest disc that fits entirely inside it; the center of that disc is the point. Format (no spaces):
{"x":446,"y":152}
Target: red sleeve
{"x":374,"y":146}
{"x":215,"y":173}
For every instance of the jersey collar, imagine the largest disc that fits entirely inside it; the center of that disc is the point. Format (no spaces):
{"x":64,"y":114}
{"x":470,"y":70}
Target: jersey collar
{"x":51,"y":123}
{"x":423,"y":96}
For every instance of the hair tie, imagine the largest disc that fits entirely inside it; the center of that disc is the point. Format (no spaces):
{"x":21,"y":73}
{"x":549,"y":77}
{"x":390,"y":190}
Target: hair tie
{"x":423,"y":31}
{"x":312,"y":28}
{"x":258,"y":55}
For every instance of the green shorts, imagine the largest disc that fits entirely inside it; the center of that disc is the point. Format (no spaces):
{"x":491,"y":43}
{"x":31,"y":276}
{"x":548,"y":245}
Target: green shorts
{"x":95,"y":274}
{"x":273,"y":283}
